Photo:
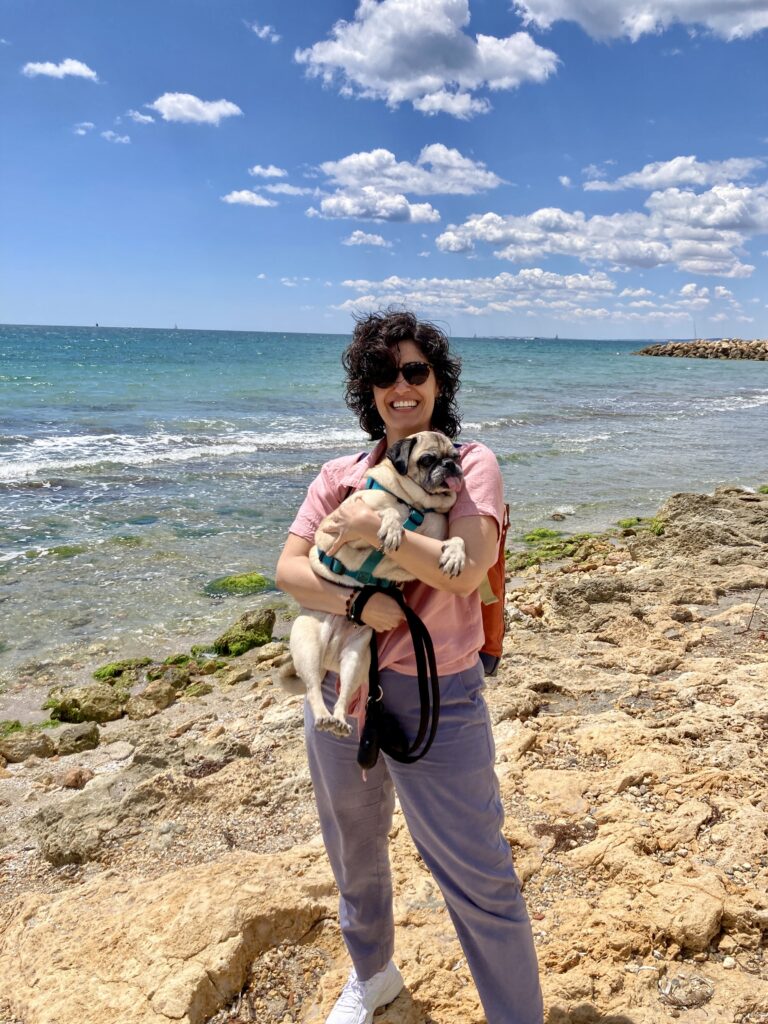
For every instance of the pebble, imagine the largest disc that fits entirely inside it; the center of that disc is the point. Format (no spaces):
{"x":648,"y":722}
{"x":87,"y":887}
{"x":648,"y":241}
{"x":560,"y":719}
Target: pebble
{"x":729,"y":963}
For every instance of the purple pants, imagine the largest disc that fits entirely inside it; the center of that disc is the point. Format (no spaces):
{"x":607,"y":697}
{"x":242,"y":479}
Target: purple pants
{"x":450,"y":800}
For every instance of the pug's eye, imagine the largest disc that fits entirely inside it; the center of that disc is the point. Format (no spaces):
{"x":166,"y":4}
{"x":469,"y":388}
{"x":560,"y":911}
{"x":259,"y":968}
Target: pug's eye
{"x":427,"y":461}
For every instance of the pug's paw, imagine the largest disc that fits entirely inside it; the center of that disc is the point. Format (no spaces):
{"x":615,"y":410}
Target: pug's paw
{"x":453,"y":556}
{"x":391,"y":530}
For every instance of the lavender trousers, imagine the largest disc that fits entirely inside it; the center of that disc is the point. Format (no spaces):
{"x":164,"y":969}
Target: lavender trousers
{"x":450,"y":800}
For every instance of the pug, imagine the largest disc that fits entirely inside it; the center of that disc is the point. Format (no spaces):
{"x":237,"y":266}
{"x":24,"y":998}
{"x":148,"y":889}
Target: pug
{"x":421,"y":471}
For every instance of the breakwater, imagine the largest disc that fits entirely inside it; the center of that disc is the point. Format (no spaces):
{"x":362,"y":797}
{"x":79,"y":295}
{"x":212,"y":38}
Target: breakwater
{"x":722,"y":348}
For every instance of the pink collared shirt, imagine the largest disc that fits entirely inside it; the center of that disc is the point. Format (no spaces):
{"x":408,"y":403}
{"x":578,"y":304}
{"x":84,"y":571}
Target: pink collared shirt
{"x":455,"y":623}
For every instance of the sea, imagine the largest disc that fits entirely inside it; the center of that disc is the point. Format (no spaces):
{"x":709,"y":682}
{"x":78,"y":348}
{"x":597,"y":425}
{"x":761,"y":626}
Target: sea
{"x":138,"y":465}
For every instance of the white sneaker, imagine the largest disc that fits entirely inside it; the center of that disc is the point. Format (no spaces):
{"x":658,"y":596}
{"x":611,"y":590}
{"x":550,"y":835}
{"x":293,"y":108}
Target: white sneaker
{"x":359,"y":999}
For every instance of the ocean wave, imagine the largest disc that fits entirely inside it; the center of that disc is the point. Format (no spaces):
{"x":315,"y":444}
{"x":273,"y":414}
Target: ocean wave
{"x":68,"y":453}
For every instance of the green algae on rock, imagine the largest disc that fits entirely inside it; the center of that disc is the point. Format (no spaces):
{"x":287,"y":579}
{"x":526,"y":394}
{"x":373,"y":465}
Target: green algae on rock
{"x":97,"y":702}
{"x":114,"y":669}
{"x":67,"y":550}
{"x":239,"y":585}
{"x":545,"y":545}
{"x":254,"y":629}
{"x":197,"y":690}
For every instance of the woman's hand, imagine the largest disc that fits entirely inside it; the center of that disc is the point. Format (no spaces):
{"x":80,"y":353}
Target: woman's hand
{"x":354,"y":520}
{"x":382,"y":613}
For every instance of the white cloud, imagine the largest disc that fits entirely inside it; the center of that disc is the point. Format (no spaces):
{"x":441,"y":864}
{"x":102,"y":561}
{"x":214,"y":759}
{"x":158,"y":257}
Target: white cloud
{"x":261,"y":277}
{"x":698,"y":233}
{"x":417,"y":51}
{"x":723,"y":293}
{"x":289,"y":190}
{"x":83,"y":127}
{"x":181,"y":106}
{"x":368,"y":203}
{"x":565,"y":181}
{"x":247,"y":198}
{"x":67,"y":68}
{"x":635,"y":293}
{"x":603,"y":19}
{"x":111,"y":136}
{"x":682,"y":170}
{"x":257,"y":171}
{"x":361,"y":238}
{"x":265,"y":32}
{"x":503,"y":293}
{"x":139,"y":118}
{"x":438,"y":170}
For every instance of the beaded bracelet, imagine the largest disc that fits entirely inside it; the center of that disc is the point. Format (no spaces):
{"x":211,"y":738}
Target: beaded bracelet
{"x":349,"y":611}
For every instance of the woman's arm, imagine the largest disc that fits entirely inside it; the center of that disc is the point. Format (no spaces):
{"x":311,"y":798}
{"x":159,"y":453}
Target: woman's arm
{"x":420,"y":555}
{"x":296,"y":577}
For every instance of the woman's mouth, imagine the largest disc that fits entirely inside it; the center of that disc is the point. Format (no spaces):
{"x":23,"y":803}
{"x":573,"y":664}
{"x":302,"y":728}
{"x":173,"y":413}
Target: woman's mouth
{"x":404,"y":405}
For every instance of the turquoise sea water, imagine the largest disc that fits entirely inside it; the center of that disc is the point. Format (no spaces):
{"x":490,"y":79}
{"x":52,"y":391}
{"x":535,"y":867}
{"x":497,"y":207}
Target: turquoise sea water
{"x":136,"y":465}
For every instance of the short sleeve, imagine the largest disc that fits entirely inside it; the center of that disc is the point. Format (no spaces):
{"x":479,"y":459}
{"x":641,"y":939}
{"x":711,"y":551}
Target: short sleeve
{"x":483,"y":490}
{"x":322,"y":498}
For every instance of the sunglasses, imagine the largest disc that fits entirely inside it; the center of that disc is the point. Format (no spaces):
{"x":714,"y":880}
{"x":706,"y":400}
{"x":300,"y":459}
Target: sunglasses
{"x":413,"y":373}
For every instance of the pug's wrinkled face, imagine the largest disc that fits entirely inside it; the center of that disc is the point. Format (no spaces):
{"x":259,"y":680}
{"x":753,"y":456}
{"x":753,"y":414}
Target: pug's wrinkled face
{"x":431,"y":460}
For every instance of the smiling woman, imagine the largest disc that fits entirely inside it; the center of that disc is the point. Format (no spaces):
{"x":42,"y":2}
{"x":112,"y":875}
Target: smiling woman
{"x":402,"y":379}
{"x":380,"y":344}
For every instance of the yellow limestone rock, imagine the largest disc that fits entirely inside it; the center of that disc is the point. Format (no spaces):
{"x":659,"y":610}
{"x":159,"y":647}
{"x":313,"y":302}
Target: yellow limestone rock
{"x":173,"y":949}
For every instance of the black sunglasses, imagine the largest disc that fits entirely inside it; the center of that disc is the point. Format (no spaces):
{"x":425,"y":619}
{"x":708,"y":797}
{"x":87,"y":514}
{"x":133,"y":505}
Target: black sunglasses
{"x":413,"y":373}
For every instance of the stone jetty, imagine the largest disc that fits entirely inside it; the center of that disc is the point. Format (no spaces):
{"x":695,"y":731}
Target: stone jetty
{"x":722,"y":348}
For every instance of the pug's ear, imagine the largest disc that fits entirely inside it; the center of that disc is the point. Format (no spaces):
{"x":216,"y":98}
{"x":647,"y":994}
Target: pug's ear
{"x":399,"y":454}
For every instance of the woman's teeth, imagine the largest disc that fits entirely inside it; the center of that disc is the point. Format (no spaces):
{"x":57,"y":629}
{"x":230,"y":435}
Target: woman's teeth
{"x":404,"y":405}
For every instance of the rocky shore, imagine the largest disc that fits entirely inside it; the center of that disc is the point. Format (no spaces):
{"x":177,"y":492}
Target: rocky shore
{"x":173,"y":871}
{"x":723,"y":348}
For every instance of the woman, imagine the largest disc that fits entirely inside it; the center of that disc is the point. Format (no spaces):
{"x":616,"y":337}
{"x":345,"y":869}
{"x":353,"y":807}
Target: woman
{"x":401,"y":378}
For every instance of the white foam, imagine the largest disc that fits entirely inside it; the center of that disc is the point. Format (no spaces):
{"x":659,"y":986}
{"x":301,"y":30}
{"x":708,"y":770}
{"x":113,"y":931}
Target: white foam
{"x":57,"y":454}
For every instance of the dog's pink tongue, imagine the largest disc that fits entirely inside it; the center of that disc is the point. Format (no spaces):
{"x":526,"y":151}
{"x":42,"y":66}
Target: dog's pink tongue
{"x":454,"y":483}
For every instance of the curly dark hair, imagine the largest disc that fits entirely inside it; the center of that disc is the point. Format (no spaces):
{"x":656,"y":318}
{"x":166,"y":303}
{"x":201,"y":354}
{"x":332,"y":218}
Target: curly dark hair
{"x":373,"y":339}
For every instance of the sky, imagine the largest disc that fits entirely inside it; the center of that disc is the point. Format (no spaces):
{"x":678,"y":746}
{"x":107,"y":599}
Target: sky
{"x":585,"y":168}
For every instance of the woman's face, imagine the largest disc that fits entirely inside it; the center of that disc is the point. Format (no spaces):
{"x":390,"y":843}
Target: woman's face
{"x":406,"y":408}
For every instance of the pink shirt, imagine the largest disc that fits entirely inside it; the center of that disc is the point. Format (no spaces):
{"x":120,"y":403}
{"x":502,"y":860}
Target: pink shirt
{"x":454,"y":622}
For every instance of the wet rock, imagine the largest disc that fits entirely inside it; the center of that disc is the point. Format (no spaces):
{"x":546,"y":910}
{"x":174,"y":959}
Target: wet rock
{"x":253,"y":629}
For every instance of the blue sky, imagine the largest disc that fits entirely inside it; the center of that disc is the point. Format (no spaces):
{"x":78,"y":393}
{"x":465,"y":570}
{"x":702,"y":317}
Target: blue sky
{"x":587,"y":168}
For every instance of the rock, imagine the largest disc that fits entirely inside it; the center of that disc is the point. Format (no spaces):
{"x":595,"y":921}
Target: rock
{"x":96,"y":702}
{"x":686,"y":913}
{"x":76,"y":778}
{"x":236,"y":675}
{"x":269,"y":652}
{"x":160,"y":692}
{"x":197,"y":690}
{"x":138,"y":708}
{"x":253,"y":629}
{"x":176,"y":948}
{"x":77,"y":738}
{"x":18,"y":746}
{"x":239,"y":585}
{"x":117,"y":668}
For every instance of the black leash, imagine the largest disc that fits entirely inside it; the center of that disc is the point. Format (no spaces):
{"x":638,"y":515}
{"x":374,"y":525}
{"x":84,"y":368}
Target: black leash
{"x":382,"y":731}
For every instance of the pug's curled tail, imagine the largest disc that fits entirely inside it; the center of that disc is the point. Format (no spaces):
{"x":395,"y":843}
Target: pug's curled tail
{"x":289,"y":680}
